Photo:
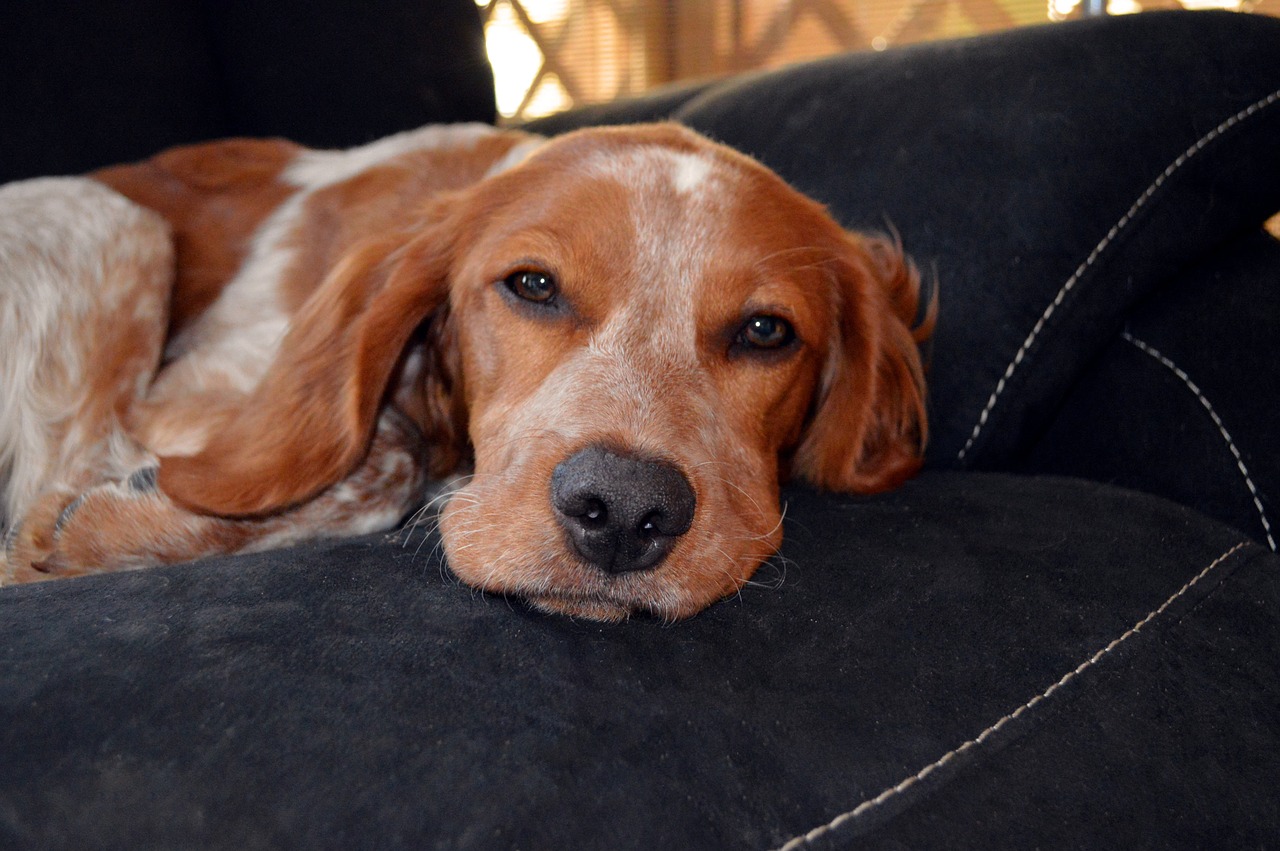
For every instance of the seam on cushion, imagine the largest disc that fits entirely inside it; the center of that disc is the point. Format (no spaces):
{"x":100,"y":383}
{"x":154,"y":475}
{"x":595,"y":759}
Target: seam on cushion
{"x":893,"y":791}
{"x":1099,"y":249}
{"x":1217,"y":421}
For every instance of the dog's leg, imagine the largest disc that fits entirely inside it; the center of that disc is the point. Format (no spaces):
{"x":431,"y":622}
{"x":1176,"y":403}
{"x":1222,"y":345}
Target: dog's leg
{"x":129,"y":524}
{"x":85,"y":277}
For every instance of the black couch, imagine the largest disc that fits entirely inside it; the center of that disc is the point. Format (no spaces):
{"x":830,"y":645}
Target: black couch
{"x":1065,"y":633}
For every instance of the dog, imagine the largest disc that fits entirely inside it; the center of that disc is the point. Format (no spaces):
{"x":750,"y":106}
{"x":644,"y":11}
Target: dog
{"x":620,"y":341}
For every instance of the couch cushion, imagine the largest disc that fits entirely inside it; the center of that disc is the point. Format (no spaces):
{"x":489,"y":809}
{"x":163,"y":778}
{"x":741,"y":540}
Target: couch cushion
{"x":655,"y":105}
{"x":1052,"y":176}
{"x":983,"y":660}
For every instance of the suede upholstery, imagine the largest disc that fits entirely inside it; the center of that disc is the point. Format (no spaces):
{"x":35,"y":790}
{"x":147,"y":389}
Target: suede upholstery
{"x":991,"y":656}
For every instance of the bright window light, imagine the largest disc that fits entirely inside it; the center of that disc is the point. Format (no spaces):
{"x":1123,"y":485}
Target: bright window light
{"x":515,"y":58}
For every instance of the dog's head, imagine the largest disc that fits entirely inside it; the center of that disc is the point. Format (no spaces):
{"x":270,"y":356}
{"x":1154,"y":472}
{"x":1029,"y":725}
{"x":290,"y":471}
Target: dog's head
{"x":637,"y":333}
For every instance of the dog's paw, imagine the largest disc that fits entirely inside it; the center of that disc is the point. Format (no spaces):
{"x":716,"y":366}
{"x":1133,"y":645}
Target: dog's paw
{"x":31,"y":539}
{"x":112,"y":526}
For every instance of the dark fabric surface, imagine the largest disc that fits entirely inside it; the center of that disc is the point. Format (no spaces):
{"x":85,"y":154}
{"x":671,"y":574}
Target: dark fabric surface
{"x":1051,"y":177}
{"x":84,"y":85}
{"x":350,"y":695}
{"x":347,"y":72}
{"x":657,"y":105}
{"x":1175,"y":406}
{"x":1160,"y":747}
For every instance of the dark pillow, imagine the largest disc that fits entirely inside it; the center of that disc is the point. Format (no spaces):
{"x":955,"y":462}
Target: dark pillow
{"x":982,"y":661}
{"x":1051,"y":176}
{"x":656,"y":105}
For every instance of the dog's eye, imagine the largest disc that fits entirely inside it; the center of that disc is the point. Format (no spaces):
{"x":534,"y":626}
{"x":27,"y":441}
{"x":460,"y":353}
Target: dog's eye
{"x":766,"y":332}
{"x":532,"y":286}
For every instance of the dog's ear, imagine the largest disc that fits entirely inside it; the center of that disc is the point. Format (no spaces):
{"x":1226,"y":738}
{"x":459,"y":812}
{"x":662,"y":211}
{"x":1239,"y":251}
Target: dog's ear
{"x":309,"y":421}
{"x":868,"y":429}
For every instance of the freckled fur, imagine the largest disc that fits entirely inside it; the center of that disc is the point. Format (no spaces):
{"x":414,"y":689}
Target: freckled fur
{"x":78,"y":267}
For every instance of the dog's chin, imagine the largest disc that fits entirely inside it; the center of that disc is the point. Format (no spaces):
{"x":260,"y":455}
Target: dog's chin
{"x":584,"y":597}
{"x":671,"y":593}
{"x":602,"y":611}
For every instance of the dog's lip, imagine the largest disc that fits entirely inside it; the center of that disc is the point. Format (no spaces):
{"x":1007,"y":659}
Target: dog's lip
{"x":590,"y":607}
{"x":598,"y":596}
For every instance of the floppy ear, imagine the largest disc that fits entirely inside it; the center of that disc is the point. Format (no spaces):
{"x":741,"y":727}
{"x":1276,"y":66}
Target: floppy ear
{"x":310,"y":420}
{"x":868,"y":429}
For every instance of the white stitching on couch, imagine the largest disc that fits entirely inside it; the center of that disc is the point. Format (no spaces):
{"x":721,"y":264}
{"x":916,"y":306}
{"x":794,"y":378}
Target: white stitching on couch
{"x":986,"y":734}
{"x":1102,"y":246}
{"x":1217,"y":421}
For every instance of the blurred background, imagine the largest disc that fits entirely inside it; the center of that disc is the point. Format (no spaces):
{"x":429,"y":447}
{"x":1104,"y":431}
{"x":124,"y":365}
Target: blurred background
{"x":549,"y":55}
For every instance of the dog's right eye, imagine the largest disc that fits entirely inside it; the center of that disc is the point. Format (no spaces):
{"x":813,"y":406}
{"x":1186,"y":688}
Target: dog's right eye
{"x":765,"y":332}
{"x":538,"y":287}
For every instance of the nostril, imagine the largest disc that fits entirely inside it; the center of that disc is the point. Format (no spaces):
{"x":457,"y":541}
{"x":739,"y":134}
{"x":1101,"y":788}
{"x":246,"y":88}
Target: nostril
{"x":595,"y":513}
{"x":656,"y":524}
{"x":671,"y":519}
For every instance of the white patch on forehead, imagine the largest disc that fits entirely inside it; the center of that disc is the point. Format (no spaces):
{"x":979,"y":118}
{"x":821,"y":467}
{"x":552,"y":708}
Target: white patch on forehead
{"x":648,"y":166}
{"x":317,"y":169}
{"x":691,"y":170}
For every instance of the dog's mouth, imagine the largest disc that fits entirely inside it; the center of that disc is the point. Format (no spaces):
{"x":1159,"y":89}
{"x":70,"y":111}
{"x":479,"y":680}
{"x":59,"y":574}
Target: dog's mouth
{"x":587,"y":608}
{"x":668,"y":596}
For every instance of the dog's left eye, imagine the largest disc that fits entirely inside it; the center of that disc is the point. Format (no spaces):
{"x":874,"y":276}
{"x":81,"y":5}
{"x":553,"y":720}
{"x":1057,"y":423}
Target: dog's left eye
{"x":766,"y":332}
{"x":532,"y":286}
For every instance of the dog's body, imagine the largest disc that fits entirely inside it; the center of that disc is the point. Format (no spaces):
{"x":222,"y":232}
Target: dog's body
{"x":633,"y":335}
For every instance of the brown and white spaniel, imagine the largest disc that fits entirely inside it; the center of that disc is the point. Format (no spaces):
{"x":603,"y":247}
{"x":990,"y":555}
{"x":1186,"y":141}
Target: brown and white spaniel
{"x":627,"y":336}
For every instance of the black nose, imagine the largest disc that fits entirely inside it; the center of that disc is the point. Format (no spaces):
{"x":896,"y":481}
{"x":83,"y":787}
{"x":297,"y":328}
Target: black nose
{"x":622,"y":513}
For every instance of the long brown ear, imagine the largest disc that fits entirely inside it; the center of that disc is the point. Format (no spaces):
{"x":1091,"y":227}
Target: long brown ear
{"x":309,"y":421}
{"x":869,"y":429}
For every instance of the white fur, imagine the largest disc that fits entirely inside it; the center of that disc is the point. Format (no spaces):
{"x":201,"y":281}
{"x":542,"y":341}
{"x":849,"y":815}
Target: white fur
{"x":691,"y":171}
{"x":317,"y":169}
{"x":518,"y":154}
{"x":672,"y":233}
{"x":687,"y":173}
